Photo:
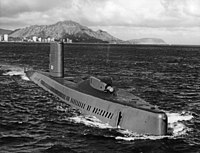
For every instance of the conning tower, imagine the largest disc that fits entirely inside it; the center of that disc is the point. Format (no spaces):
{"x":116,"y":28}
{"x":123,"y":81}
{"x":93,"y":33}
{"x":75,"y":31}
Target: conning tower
{"x":56,"y":57}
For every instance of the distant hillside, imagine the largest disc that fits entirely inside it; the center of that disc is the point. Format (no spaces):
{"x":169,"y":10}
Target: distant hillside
{"x":4,"y":31}
{"x":76,"y":32}
{"x":66,"y":29}
{"x":146,"y":41}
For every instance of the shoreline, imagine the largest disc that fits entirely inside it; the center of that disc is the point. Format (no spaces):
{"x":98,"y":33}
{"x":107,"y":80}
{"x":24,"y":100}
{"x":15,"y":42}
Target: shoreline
{"x":105,"y":44}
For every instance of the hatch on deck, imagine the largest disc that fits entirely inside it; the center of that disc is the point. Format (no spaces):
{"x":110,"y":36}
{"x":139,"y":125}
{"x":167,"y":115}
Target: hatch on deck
{"x":101,"y":85}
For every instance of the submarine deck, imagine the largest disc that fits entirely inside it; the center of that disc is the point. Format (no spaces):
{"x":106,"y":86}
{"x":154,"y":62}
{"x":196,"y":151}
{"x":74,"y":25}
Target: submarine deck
{"x":119,"y":96}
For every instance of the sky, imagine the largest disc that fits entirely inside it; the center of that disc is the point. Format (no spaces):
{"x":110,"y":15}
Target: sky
{"x":174,"y":21}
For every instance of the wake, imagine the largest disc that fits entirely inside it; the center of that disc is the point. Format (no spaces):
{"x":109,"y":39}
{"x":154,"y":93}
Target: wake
{"x":12,"y":70}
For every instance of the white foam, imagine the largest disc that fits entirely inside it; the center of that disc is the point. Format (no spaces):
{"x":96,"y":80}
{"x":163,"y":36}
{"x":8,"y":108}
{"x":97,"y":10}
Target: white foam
{"x":142,"y":137}
{"x":175,"y":122}
{"x":60,"y":108}
{"x":182,"y":116}
{"x":15,"y":70}
{"x":90,"y":121}
{"x":131,"y":136}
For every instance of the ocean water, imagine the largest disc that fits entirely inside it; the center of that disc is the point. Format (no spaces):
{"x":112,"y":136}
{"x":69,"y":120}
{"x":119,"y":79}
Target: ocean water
{"x":33,"y":120}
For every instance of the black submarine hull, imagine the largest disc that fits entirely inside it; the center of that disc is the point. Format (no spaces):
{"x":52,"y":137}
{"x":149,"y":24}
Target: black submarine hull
{"x":116,"y":107}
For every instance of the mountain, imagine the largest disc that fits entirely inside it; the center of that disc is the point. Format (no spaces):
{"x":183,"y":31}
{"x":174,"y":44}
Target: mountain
{"x":146,"y":41}
{"x":77,"y":33}
{"x":4,"y":31}
{"x":66,"y":29}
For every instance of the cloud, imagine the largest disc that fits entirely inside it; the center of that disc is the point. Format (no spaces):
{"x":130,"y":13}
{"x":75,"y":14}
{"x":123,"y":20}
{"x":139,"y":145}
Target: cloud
{"x":181,"y":8}
{"x":118,"y":12}
{"x":144,"y":13}
{"x":151,"y":15}
{"x":141,"y":13}
{"x":11,"y":8}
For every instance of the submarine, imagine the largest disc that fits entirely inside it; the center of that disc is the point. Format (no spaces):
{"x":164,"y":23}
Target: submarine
{"x":96,"y":96}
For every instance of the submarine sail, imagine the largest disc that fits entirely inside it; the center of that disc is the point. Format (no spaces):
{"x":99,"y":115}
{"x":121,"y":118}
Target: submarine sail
{"x":97,"y":97}
{"x":56,"y":58}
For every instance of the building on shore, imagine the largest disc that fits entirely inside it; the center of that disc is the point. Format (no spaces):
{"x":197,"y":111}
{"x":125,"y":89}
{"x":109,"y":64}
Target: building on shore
{"x":34,"y":38}
{"x":5,"y":37}
{"x":69,"y":40}
{"x":48,"y":39}
{"x":1,"y":38}
{"x":37,"y":39}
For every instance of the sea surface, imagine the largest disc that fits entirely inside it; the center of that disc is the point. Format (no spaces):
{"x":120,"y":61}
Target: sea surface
{"x":34,"y":121}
